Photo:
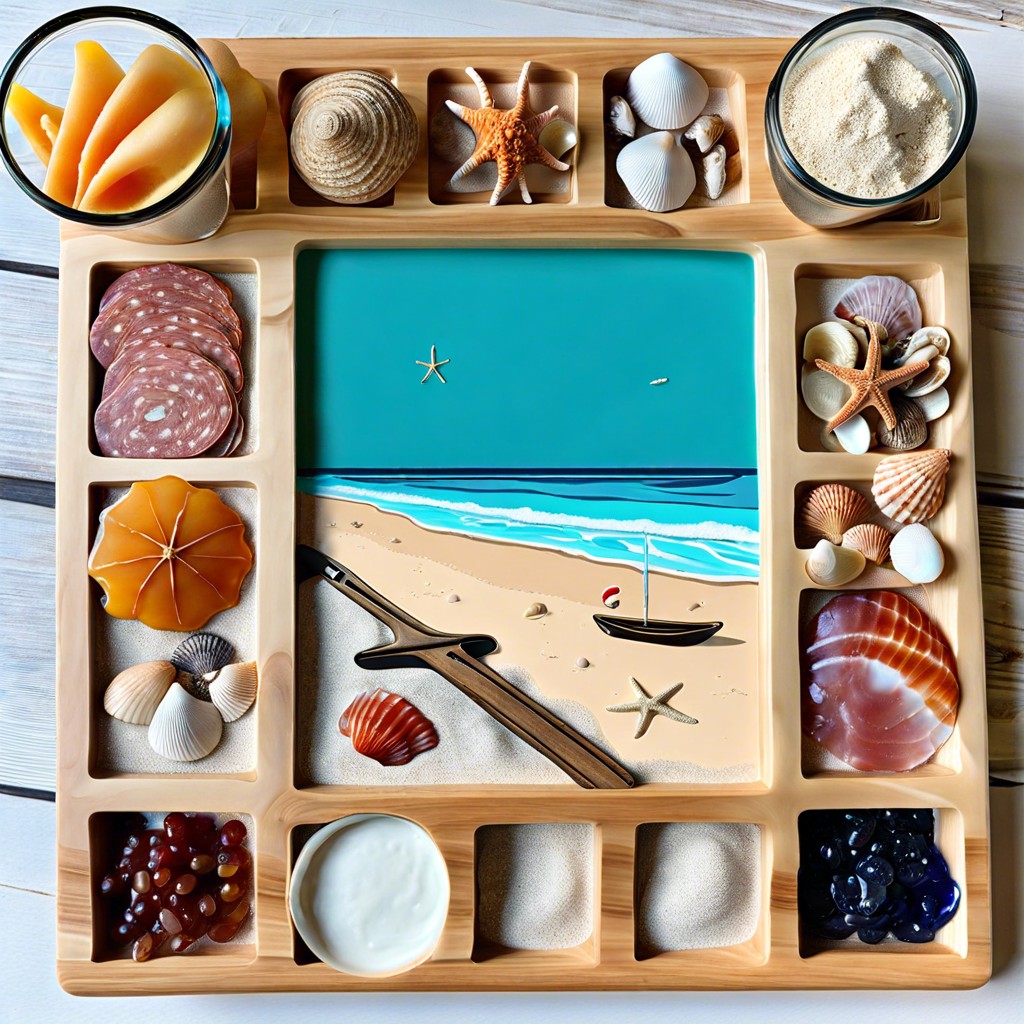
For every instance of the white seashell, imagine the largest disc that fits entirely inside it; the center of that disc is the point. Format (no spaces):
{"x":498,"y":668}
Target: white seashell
{"x":134,"y":694}
{"x":823,"y":394}
{"x":713,"y":172}
{"x":706,"y":131}
{"x":657,"y":172}
{"x":924,"y":354}
{"x":537,"y":610}
{"x":829,"y":565}
{"x":184,"y":728}
{"x":916,"y":554}
{"x":832,"y":342}
{"x":666,"y":93}
{"x":582,"y":662}
{"x":620,"y":117}
{"x":937,"y":336}
{"x":854,"y":435}
{"x":234,"y":689}
{"x":929,"y":380}
{"x":934,"y":404}
{"x":558,"y":137}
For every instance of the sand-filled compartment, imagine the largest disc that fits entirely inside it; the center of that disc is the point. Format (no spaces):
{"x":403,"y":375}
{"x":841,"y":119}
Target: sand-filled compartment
{"x":240,"y":275}
{"x":117,"y":748}
{"x":820,"y":286}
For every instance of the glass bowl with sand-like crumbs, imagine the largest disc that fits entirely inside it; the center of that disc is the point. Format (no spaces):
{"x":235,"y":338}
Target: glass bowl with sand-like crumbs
{"x":866,"y":114}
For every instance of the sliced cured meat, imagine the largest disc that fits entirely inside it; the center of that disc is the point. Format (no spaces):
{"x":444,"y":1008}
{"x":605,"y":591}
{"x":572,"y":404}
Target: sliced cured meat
{"x":172,"y":276}
{"x":175,"y":405}
{"x":879,"y":682}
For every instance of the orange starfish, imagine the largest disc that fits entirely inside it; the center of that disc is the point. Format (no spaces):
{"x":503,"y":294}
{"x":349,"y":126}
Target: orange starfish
{"x":508,"y":137}
{"x":871,"y":385}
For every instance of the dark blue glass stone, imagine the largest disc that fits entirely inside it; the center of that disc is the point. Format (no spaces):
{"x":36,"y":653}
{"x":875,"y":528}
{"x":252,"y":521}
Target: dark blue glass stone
{"x":872,"y":936}
{"x":874,"y":869}
{"x":909,"y":931}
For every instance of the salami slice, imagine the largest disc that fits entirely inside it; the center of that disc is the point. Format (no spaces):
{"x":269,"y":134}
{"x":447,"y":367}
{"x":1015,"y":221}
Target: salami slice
{"x":173,"y":276}
{"x":175,"y":405}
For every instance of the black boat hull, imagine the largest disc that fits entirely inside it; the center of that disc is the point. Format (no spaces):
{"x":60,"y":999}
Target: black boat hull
{"x":658,"y":631}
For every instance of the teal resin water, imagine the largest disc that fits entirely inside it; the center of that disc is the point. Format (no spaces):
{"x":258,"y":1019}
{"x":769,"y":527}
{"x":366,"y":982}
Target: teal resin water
{"x":548,"y":430}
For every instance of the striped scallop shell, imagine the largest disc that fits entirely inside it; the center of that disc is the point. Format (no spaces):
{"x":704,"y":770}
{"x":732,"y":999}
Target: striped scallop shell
{"x":870,"y":539}
{"x":201,"y":653}
{"x":134,"y":694}
{"x":353,"y":135}
{"x":233,"y":689}
{"x":387,"y":727}
{"x":666,"y":93}
{"x":886,"y":300}
{"x":909,"y":488}
{"x":184,"y":728}
{"x":831,"y":509}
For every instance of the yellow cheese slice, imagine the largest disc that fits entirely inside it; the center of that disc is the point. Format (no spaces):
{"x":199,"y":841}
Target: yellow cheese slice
{"x":28,"y":110}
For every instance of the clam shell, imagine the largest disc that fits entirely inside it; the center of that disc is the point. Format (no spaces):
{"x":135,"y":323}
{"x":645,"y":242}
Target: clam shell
{"x":387,"y":727}
{"x":234,"y":689}
{"x":870,"y":539}
{"x":829,"y":565}
{"x":854,"y":435}
{"x":822,"y":393}
{"x":201,"y":653}
{"x":712,"y":170}
{"x":537,"y":610}
{"x":666,"y":93}
{"x":911,"y":430}
{"x":706,"y":131}
{"x":886,"y":300}
{"x":931,"y":379}
{"x":831,"y":509}
{"x":832,"y":342}
{"x":937,"y":336}
{"x":925,"y":354}
{"x":620,"y":117}
{"x":910,"y":488}
{"x":353,"y":135}
{"x":134,"y":694}
{"x":934,"y":404}
{"x":184,"y":728}
{"x":657,"y":172}
{"x":916,"y":554}
{"x":558,"y":137}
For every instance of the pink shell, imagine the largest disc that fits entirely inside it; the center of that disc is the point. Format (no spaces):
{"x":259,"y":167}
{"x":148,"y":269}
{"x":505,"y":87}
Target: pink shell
{"x":888,"y":301}
{"x":387,"y":727}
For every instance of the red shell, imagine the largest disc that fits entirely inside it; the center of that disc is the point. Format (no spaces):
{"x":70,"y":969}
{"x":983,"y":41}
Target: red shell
{"x":879,"y":682}
{"x":387,"y":727}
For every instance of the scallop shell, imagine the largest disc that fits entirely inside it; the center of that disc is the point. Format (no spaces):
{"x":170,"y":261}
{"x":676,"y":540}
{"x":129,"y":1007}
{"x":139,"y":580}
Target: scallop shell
{"x":353,"y":135}
{"x":184,"y":728}
{"x":910,"y":488}
{"x":234,"y":689}
{"x":712,"y":169}
{"x":931,"y":379}
{"x":832,"y":342}
{"x":387,"y":727}
{"x":911,"y":430}
{"x":537,"y":610}
{"x":831,"y":509}
{"x":829,"y":565}
{"x":666,"y":93}
{"x":917,"y":554}
{"x":201,"y":653}
{"x":558,"y":137}
{"x":706,"y":131}
{"x":822,"y":393}
{"x":620,"y":117}
{"x":870,"y":539}
{"x":934,"y":404}
{"x":134,"y":694}
{"x":854,"y":435}
{"x":657,"y":172}
{"x":888,"y":301}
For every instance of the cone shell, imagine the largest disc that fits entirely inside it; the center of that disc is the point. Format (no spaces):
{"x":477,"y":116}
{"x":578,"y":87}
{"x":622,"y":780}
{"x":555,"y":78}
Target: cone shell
{"x":666,"y":93}
{"x":910,"y":488}
{"x":387,"y":728}
{"x":657,"y":172}
{"x":234,"y":689}
{"x":353,"y":135}
{"x":134,"y":694}
{"x":831,"y":509}
{"x":870,"y":539}
{"x":829,"y":565}
{"x":184,"y":728}
{"x":202,"y":653}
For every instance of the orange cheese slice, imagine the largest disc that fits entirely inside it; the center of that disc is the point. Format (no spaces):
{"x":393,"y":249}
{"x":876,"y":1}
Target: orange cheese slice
{"x":29,"y":110}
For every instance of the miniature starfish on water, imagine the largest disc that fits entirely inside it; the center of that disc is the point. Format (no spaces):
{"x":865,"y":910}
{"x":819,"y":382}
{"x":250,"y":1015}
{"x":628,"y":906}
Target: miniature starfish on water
{"x":508,"y":137}
{"x":871,"y":385}
{"x":647,"y":707}
{"x":433,"y":366}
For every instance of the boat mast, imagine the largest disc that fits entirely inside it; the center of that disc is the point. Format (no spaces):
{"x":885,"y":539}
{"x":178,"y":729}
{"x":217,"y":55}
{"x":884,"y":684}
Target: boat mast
{"x":645,"y":578}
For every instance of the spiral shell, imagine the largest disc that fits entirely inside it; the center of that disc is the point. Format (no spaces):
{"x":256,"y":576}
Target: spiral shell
{"x":831,"y":509}
{"x":353,"y":135}
{"x":387,"y":727}
{"x":910,"y":488}
{"x":134,"y":694}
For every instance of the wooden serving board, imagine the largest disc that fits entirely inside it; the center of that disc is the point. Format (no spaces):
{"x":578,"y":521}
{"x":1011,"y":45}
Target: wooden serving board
{"x":264,"y":241}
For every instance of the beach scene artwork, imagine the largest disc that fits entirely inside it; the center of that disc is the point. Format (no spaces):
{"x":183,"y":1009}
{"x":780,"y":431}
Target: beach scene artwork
{"x":539,"y":446}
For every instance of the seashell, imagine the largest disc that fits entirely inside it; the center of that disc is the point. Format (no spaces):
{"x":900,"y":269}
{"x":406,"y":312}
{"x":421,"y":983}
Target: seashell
{"x":582,"y":662}
{"x":831,"y":509}
{"x":829,"y":565}
{"x":353,"y":135}
{"x":134,"y":694}
{"x":666,"y":93}
{"x":923,"y":338}
{"x":450,"y":136}
{"x":558,"y":137}
{"x":537,"y":610}
{"x":202,"y":653}
{"x":910,"y":488}
{"x":234,"y":689}
{"x":712,"y":169}
{"x":934,"y":404}
{"x":911,"y":430}
{"x":387,"y":728}
{"x":620,"y":117}
{"x":854,"y":435}
{"x":706,"y":131}
{"x":832,"y":342}
{"x":870,"y":539}
{"x":823,"y":394}
{"x":916,"y":554}
{"x":888,"y":301}
{"x":657,"y":172}
{"x":925,"y":354}
{"x":610,"y":597}
{"x":829,"y":442}
{"x":184,"y":728}
{"x":929,"y":380}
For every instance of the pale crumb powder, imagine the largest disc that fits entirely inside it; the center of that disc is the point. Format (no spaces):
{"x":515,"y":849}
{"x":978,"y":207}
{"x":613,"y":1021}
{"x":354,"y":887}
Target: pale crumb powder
{"x":863,"y":120}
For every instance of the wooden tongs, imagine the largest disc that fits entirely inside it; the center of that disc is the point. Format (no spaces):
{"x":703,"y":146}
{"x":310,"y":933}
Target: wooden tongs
{"x":456,"y":658}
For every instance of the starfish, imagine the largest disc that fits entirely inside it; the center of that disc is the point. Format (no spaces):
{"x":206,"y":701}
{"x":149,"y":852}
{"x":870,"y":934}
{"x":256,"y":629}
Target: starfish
{"x":871,"y":385}
{"x":432,"y":366}
{"x":508,"y":137}
{"x":647,"y":707}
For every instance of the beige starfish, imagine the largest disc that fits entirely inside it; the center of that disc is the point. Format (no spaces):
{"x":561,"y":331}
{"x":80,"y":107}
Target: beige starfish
{"x":647,"y":707}
{"x":508,"y":137}
{"x":870,"y":386}
{"x":432,"y":366}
